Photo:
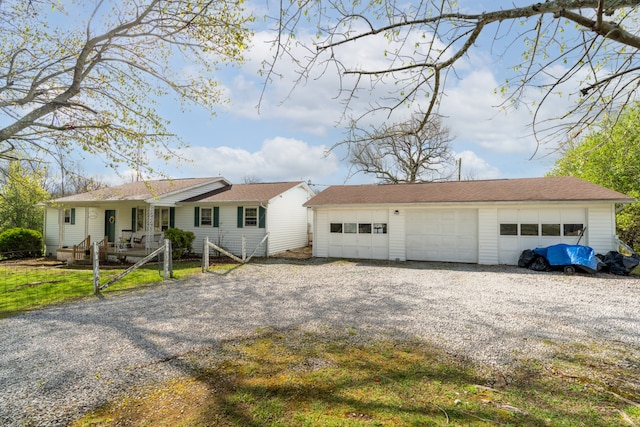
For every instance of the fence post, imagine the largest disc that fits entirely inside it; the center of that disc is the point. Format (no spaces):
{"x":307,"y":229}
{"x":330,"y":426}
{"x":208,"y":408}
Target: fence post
{"x":170,"y":259}
{"x":96,"y":268}
{"x":244,"y":248}
{"x":167,"y":254}
{"x":205,"y":255}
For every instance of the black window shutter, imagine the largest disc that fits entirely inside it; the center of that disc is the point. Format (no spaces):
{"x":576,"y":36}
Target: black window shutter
{"x":262,"y":217}
{"x":240,"y":216}
{"x":73,"y":215}
{"x":216,"y":216}
{"x":134,"y":211}
{"x":196,"y":216}
{"x":172,"y":217}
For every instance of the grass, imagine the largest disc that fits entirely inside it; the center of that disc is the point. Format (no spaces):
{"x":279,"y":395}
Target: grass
{"x":300,"y":379}
{"x":28,"y":286}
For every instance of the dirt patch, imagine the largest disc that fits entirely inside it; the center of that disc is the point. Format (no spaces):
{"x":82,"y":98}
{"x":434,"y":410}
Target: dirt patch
{"x":33,"y":262}
{"x":299,"y":254}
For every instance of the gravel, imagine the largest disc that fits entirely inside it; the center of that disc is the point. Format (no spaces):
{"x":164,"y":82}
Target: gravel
{"x":60,"y":362}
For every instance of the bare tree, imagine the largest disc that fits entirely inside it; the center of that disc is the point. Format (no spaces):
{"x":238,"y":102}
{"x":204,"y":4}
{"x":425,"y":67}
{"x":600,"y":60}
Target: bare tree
{"x":251,"y":179}
{"x":590,"y":45}
{"x":404,"y":152}
{"x":87,"y":79}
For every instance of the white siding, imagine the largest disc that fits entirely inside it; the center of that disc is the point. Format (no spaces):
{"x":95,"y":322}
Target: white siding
{"x":171,"y":199}
{"x":488,"y":236}
{"x":601,"y":229}
{"x":397,"y":235}
{"x":184,"y":220}
{"x":490,"y":246}
{"x":287,"y":221}
{"x":74,"y":233}
{"x":321,"y":234}
{"x":227,"y":235}
{"x":51,"y":229}
{"x":95,"y":225}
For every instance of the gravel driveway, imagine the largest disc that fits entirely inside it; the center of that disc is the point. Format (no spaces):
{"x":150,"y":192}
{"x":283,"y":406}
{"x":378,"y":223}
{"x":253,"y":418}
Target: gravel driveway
{"x":59,"y":362}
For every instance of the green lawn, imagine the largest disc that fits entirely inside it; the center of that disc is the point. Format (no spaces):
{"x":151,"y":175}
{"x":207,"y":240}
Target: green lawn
{"x":29,"y":286}
{"x":302,"y":379}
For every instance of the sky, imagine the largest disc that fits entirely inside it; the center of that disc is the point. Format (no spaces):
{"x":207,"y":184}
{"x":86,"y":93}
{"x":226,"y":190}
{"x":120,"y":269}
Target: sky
{"x":289,"y":137}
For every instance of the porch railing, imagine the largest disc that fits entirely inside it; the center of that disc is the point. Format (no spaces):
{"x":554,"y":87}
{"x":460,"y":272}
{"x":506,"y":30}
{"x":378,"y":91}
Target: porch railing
{"x":82,"y":249}
{"x":103,"y":246}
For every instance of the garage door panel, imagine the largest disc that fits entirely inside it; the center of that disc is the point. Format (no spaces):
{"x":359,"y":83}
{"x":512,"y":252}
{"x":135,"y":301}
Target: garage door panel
{"x":442,"y":235}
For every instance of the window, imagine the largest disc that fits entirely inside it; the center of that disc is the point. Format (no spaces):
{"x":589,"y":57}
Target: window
{"x":336,"y":227}
{"x":70,"y":216}
{"x":528,"y":229}
{"x":140,"y":219}
{"x":550,"y":229}
{"x":364,"y":228}
{"x":350,"y":227}
{"x":573,"y":229}
{"x":508,"y":229}
{"x":160,"y":219}
{"x":379,"y":228}
{"x":250,"y":217}
{"x":206,"y":217}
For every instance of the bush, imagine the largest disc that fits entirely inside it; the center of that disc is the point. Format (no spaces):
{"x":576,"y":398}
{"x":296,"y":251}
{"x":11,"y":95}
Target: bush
{"x":20,"y":243}
{"x":181,"y":242}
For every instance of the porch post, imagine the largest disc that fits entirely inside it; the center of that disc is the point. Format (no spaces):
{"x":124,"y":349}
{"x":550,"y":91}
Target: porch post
{"x":149,"y":231}
{"x":60,"y":227}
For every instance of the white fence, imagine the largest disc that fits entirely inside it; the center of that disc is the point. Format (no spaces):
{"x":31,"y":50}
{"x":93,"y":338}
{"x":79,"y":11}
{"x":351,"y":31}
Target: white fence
{"x":243,"y":259}
{"x":167,"y":266}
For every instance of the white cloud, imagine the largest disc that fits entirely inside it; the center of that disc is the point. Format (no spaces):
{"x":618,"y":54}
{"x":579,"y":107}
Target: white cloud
{"x":279,"y":159}
{"x":474,"y":167}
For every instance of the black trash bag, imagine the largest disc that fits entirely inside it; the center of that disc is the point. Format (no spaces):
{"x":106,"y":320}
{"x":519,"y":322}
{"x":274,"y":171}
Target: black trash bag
{"x":540,"y":264}
{"x":619,"y":264}
{"x":601,"y":264}
{"x":526,"y":258}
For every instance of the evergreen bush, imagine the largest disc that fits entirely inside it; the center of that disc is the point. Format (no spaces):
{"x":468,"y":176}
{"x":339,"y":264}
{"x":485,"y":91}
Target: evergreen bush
{"x":20,"y":243}
{"x":181,"y":242}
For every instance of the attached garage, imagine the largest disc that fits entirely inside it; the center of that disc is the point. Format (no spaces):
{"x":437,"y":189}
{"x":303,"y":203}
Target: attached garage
{"x":486,"y":222}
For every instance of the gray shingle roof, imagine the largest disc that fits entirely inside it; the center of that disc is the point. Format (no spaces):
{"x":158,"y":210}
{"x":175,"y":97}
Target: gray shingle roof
{"x":506,"y":190}
{"x":260,"y":192}
{"x":140,"y":190}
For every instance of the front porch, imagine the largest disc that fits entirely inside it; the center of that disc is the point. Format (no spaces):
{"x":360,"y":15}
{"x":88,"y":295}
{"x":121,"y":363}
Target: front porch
{"x":120,"y":250}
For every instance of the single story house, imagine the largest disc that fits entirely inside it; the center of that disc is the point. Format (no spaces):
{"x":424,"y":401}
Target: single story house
{"x":138,"y":213}
{"x":485,"y":222}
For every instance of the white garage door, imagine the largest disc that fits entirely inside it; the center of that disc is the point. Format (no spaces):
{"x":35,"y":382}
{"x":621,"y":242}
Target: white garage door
{"x":449,"y":235}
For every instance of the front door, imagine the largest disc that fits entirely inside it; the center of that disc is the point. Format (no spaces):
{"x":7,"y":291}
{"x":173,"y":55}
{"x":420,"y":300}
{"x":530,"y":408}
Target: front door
{"x":110,"y":224}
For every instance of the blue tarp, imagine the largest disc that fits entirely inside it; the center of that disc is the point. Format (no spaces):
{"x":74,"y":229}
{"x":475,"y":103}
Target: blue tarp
{"x":563,"y":254}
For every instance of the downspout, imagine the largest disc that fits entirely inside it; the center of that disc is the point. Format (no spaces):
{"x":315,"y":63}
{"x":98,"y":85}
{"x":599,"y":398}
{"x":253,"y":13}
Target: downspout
{"x":266,"y":244}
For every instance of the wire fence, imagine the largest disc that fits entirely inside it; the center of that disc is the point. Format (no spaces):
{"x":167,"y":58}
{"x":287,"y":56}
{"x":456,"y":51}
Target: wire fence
{"x":29,"y":283}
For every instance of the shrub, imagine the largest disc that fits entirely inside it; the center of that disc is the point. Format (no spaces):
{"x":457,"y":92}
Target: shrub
{"x":181,"y":241}
{"x":20,"y":243}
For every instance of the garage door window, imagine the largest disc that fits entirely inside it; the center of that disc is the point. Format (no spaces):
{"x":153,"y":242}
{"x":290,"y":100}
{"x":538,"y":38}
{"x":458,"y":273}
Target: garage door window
{"x":528,"y":229}
{"x":364,"y":228}
{"x":379,"y":228}
{"x":547,"y":229}
{"x":573,"y":229}
{"x":550,"y":229}
{"x":359,"y":228}
{"x":508,"y":229}
{"x":350,"y":228}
